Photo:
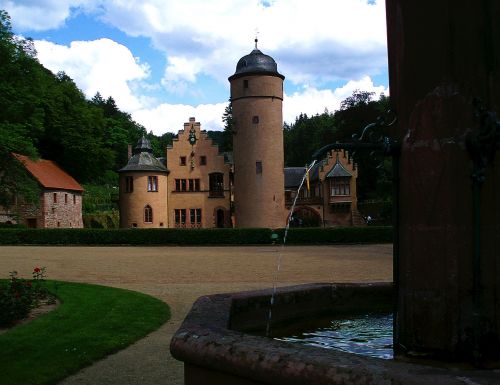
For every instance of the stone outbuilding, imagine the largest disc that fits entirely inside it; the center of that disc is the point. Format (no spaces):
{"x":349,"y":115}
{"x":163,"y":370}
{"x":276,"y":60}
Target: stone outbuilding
{"x":60,"y":203}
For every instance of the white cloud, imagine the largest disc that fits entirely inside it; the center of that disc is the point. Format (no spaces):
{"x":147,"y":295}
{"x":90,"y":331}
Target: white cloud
{"x":314,"y":40}
{"x":312,"y":101}
{"x":179,"y":73}
{"x":97,"y":66}
{"x":171,"y":117}
{"x":314,"y":43}
{"x":40,"y":15}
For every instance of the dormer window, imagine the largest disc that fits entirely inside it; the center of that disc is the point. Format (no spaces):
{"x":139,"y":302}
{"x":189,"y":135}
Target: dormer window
{"x":340,"y":186}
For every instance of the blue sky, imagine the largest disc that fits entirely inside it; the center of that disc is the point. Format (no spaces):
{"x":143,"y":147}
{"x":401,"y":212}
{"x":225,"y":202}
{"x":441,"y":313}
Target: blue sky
{"x":164,"y":61}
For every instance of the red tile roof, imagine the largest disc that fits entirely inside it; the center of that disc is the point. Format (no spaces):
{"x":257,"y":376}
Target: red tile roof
{"x":49,"y":174}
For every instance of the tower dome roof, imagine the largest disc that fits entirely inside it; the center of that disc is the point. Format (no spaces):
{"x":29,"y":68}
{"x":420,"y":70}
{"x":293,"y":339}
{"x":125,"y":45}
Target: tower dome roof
{"x":256,"y":62}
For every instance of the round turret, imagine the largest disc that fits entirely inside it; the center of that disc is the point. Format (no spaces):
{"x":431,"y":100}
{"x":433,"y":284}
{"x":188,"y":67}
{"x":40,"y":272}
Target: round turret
{"x":257,"y":104}
{"x":143,"y":182}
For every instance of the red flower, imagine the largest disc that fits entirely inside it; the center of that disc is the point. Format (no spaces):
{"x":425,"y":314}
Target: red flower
{"x":37,"y":270}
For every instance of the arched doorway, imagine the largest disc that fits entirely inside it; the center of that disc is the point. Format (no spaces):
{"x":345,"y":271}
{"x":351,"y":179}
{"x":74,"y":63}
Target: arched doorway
{"x":305,"y":217}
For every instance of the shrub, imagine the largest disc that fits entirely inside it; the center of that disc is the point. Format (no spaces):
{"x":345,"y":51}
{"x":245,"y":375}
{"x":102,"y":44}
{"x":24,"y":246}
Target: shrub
{"x":366,"y":234}
{"x":18,"y":296}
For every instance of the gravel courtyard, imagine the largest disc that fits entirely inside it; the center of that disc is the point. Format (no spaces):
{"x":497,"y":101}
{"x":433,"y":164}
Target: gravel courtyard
{"x":178,"y":276}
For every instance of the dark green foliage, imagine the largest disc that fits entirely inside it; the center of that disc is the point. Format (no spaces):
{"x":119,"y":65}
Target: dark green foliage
{"x":17,"y":182}
{"x":226,"y":142}
{"x":16,"y":300}
{"x":159,"y":143}
{"x":342,"y":235}
{"x":306,"y":135}
{"x":102,"y":220}
{"x":99,"y":198}
{"x":5,"y":225}
{"x":188,"y":237}
{"x":19,"y":115}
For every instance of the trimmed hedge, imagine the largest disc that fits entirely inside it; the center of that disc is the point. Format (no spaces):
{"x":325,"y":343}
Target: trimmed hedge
{"x":368,"y":234}
{"x":365,"y":234}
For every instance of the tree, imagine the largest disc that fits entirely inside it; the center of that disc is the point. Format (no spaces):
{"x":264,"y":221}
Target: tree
{"x":306,"y":135}
{"x":358,"y":97}
{"x":17,"y":116}
{"x":226,"y":144}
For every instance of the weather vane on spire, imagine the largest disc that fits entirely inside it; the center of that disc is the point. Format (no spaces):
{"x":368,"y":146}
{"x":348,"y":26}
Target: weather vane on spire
{"x":256,"y":37}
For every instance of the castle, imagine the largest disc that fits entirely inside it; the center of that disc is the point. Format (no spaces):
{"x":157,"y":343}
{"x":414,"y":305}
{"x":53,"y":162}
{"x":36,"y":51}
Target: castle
{"x":197,"y":187}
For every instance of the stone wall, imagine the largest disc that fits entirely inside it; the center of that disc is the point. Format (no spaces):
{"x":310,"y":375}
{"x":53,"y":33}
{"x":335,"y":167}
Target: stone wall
{"x":59,"y":208}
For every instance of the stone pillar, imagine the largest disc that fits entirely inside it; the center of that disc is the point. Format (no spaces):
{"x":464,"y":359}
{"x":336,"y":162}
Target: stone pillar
{"x":443,"y":54}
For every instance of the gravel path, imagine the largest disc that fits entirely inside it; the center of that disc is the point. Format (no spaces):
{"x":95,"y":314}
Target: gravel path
{"x":178,"y":276}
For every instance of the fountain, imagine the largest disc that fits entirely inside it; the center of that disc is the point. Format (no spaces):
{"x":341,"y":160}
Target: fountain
{"x":445,"y":85}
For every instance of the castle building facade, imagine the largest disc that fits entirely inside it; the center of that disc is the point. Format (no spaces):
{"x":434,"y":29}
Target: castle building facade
{"x":197,"y":187}
{"x":191,"y":189}
{"x":328,"y":197}
{"x":199,"y":193}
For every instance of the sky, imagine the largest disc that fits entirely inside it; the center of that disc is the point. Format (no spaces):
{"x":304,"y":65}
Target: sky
{"x":164,"y":61}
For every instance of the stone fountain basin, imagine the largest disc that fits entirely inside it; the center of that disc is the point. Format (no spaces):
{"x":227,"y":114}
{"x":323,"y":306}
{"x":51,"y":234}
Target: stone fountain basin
{"x":215,"y":345}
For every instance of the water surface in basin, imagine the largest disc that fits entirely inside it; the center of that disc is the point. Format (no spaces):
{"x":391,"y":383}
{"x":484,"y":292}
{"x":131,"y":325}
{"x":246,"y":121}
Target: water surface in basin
{"x":368,"y":334}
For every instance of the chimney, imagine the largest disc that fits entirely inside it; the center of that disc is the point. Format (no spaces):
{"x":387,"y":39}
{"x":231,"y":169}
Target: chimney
{"x":129,"y":151}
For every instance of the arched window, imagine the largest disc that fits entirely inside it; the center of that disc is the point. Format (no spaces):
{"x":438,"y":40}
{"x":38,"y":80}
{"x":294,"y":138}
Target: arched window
{"x":148,"y":214}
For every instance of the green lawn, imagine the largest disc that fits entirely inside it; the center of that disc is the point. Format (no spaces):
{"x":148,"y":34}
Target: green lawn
{"x":91,"y":322}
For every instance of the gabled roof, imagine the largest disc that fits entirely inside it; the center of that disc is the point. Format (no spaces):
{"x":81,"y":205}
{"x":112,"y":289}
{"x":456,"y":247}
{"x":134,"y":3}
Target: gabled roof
{"x":338,"y":170}
{"x":49,"y":174}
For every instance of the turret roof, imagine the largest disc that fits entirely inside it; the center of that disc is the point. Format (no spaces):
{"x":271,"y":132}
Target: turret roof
{"x":256,"y":62}
{"x":143,"y":159}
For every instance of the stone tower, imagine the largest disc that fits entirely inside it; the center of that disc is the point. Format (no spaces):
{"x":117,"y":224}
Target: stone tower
{"x":257,"y":102}
{"x":143,"y":189}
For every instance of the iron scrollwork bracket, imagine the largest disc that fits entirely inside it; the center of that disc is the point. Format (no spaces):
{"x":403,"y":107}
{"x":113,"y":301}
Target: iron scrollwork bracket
{"x":374,"y":133}
{"x":372,"y":138}
{"x":483,"y":143}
